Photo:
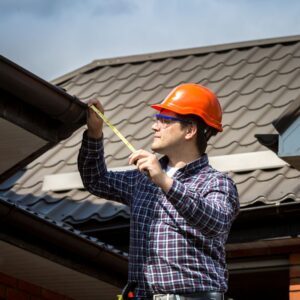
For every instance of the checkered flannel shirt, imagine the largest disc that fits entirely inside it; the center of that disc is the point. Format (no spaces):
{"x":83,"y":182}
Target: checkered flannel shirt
{"x":176,"y":239}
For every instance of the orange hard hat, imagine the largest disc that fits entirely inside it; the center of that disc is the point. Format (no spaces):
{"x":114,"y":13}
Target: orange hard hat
{"x":191,"y":98}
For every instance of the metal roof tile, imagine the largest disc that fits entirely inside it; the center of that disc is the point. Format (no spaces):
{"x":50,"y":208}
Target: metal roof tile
{"x":254,"y":81}
{"x":269,"y":190}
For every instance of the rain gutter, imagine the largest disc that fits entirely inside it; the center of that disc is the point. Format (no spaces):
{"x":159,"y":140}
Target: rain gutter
{"x":38,"y":106}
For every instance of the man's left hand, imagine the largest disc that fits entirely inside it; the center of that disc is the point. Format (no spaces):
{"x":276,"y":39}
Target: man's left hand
{"x":148,"y":163}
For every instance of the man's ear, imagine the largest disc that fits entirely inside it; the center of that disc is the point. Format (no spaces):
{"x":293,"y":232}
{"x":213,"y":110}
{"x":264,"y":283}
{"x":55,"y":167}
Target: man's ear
{"x":191,"y":131}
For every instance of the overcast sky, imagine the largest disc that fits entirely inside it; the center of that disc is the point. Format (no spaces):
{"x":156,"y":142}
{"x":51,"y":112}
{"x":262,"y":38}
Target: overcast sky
{"x":53,"y":37}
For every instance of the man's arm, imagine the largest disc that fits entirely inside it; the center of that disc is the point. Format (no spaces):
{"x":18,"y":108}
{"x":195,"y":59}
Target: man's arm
{"x":212,"y":210}
{"x":116,"y":186}
{"x":148,"y":163}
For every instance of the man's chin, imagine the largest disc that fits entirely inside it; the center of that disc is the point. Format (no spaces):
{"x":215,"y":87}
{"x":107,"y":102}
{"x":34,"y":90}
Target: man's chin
{"x":154,"y":148}
{"x":157,"y":149}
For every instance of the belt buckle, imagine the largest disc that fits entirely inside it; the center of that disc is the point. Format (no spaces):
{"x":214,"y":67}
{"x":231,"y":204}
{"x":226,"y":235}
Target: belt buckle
{"x":166,"y":297}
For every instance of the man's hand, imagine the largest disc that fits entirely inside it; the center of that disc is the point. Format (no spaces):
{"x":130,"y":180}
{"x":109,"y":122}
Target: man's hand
{"x":94,"y":122}
{"x":148,"y":163}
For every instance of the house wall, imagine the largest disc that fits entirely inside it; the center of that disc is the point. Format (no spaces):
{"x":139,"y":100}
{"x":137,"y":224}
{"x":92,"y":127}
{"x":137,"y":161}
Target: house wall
{"x":268,"y":269}
{"x":15,"y":289}
{"x":289,"y":142}
{"x":295,"y":276}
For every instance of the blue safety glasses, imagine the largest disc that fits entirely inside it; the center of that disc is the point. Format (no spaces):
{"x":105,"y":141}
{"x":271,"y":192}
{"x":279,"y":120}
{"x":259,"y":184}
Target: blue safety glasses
{"x":165,"y":121}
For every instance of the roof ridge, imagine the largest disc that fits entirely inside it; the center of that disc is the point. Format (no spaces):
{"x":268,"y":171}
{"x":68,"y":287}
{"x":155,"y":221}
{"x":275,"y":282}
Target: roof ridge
{"x":174,"y":53}
{"x":118,"y":90}
{"x":203,"y":67}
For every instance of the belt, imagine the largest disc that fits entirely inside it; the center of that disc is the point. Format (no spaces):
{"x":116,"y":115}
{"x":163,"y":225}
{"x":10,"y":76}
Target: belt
{"x":196,"y":296}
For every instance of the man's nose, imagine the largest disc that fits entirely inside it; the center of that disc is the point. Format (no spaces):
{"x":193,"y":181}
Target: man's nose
{"x":155,"y":126}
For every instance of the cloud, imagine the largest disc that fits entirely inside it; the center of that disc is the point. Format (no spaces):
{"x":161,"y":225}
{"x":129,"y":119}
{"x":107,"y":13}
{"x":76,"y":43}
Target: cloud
{"x":113,"y":7}
{"x":52,"y":37}
{"x":35,"y":8}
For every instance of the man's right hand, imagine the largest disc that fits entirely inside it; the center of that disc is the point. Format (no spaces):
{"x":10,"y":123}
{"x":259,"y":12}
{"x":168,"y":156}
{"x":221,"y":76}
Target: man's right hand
{"x":94,"y":122}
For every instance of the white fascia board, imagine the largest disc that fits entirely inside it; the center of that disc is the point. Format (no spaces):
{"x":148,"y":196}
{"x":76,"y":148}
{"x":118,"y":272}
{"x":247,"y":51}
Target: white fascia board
{"x":61,"y":182}
{"x":69,"y":181}
{"x":241,"y":162}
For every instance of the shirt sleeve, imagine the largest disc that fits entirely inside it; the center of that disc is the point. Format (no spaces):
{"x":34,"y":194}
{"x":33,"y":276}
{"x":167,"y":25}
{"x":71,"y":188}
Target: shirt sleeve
{"x":212,"y":208}
{"x":116,"y":186}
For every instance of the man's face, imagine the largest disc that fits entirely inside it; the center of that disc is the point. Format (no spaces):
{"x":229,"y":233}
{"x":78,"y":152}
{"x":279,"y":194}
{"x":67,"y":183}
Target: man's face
{"x":168,"y":134}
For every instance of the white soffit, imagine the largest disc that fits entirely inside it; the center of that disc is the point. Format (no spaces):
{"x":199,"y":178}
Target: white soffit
{"x":241,"y":162}
{"x":25,"y":265}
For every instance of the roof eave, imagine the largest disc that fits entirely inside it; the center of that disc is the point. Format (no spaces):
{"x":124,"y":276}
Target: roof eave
{"x":102,"y":262}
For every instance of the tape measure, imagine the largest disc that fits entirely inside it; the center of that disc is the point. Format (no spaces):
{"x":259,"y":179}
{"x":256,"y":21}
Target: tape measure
{"x":112,"y":127}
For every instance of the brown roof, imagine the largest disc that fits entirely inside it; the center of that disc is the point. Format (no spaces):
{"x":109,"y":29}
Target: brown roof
{"x":255,"y":82}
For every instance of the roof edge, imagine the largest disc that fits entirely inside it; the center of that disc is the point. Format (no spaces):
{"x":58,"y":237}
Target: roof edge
{"x":81,"y":245}
{"x":35,"y":104}
{"x":174,"y":53}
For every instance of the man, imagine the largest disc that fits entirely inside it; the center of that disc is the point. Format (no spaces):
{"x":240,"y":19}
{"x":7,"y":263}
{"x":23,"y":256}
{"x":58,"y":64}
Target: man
{"x":181,"y":208}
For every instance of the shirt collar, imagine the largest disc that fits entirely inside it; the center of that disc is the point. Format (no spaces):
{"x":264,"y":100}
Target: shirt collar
{"x":190,"y":168}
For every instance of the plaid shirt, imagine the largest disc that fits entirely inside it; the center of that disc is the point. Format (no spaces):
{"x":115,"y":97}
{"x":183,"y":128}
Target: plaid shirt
{"x":176,"y":239}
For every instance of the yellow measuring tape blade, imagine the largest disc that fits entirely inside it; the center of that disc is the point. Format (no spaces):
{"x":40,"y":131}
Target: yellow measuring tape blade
{"x":112,"y":127}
